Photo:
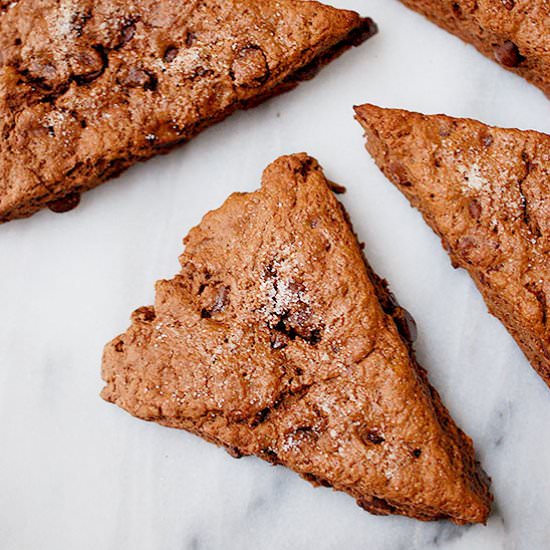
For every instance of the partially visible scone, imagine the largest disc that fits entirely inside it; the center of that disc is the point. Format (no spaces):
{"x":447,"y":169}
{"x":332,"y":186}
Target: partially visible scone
{"x":88,"y":88}
{"x":515,"y":33}
{"x":276,"y":339}
{"x":486,"y":192}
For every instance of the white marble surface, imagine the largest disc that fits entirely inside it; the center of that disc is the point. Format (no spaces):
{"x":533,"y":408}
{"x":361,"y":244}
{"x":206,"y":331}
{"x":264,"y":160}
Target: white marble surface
{"x":76,"y":473}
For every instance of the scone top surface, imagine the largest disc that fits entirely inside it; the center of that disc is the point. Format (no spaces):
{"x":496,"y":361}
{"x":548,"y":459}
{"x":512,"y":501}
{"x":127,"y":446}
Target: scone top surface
{"x":272,"y":341}
{"x":486,"y":192}
{"x":88,"y":88}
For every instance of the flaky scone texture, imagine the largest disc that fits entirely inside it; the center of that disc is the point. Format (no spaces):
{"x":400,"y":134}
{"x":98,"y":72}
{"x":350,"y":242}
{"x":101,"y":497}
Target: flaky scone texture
{"x":88,"y":88}
{"x":514,"y":33}
{"x":277,"y":340}
{"x":486,"y":192}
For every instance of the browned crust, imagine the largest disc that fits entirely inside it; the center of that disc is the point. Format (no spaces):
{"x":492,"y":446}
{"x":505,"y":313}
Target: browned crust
{"x":82,"y":177}
{"x":389,"y":153}
{"x":514,"y":33}
{"x":124,"y":366}
{"x":479,"y":480}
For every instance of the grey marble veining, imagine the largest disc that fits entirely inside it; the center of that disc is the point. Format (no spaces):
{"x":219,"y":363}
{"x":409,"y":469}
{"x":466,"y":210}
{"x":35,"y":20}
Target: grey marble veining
{"x":78,"y":473}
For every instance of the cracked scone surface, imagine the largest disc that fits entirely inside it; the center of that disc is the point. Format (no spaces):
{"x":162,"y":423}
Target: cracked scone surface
{"x":88,"y":88}
{"x":514,"y":33}
{"x":277,"y":340}
{"x":486,"y":192}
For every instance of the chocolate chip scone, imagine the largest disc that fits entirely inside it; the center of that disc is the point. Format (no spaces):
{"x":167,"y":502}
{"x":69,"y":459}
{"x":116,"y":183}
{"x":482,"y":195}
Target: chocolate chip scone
{"x":276,"y":339}
{"x":88,"y":88}
{"x":515,"y":33}
{"x":486,"y":192}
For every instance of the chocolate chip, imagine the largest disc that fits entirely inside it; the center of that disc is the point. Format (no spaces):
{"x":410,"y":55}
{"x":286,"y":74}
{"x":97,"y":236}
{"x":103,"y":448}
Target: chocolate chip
{"x":83,"y":124}
{"x":296,"y":287}
{"x":487,"y":140}
{"x":316,"y":480}
{"x":374,"y":437}
{"x":89,"y":65}
{"x":398,"y":173}
{"x":119,"y":346}
{"x":68,"y":202}
{"x":18,"y":42}
{"x":416,"y":453}
{"x":366,"y":30}
{"x":205,"y":314}
{"x":314,"y":337}
{"x":250,"y":68}
{"x":260,"y":417}
{"x":407,"y":325}
{"x":509,"y":4}
{"x":126,"y":34}
{"x":270,"y":455}
{"x":336,"y":187}
{"x":370,"y":435}
{"x":507,"y":54}
{"x":140,"y":78}
{"x":79,"y":22}
{"x":190,"y":38}
{"x":475,"y":209}
{"x":234,"y":452}
{"x":200,"y":72}
{"x":391,"y":302}
{"x":144,"y":314}
{"x":42,"y":72}
{"x":170,"y":53}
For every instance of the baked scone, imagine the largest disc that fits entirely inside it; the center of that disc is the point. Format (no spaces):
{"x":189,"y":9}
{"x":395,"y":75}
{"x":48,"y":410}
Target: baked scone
{"x":88,"y":88}
{"x":486,"y":192}
{"x":515,"y":33}
{"x":276,"y":339}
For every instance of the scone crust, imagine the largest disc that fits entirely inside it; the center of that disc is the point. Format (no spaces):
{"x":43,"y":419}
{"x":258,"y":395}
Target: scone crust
{"x":88,"y":88}
{"x":514,"y":33}
{"x":486,"y":192}
{"x":276,"y":339}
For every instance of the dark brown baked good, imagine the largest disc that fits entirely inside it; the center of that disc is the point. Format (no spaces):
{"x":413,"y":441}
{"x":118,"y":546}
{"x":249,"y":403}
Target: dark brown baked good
{"x":88,"y":88}
{"x":486,"y":192}
{"x":515,"y":33}
{"x":276,"y":339}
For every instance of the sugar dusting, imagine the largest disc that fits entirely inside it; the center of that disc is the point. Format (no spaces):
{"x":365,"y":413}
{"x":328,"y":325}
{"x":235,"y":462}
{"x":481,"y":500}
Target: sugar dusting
{"x":472,"y":176}
{"x":62,"y":18}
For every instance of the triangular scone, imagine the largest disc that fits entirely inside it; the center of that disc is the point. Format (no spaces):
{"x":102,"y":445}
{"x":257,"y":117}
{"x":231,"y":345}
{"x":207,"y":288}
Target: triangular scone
{"x":514,"y":33}
{"x":90,"y":87}
{"x":277,"y":340}
{"x":486,"y":192}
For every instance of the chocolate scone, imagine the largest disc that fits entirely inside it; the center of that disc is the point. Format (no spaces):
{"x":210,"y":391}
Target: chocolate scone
{"x":486,"y":192}
{"x":88,"y":88}
{"x":276,"y":339}
{"x":515,"y":33}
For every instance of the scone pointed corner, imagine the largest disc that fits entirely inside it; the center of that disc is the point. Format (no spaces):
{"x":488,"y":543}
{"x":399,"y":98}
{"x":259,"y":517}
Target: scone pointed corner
{"x":486,"y":192}
{"x":276,"y":339}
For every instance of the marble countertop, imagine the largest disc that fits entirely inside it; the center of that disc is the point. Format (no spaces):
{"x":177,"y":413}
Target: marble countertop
{"x":78,"y":473}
